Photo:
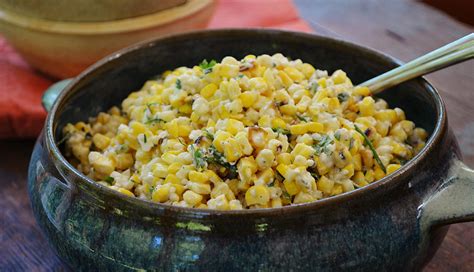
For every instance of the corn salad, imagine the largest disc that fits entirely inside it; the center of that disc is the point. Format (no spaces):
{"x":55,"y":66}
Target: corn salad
{"x":261,"y":132}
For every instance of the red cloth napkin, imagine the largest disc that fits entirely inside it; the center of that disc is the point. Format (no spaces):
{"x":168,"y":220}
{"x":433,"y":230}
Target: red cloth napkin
{"x":21,"y":113}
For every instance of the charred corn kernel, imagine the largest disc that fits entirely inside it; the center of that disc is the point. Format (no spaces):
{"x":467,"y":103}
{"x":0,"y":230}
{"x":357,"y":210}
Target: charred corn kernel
{"x":325,"y":185}
{"x":199,"y":177}
{"x":101,"y":141}
{"x":261,"y":132}
{"x":392,"y":168}
{"x":367,"y":106}
{"x":209,"y":90}
{"x":161,"y":193}
{"x":125,"y":192}
{"x":192,"y":198}
{"x":257,"y":194}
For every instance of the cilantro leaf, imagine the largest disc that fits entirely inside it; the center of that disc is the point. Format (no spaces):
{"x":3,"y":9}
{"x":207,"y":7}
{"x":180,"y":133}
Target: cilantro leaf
{"x":207,"y":66}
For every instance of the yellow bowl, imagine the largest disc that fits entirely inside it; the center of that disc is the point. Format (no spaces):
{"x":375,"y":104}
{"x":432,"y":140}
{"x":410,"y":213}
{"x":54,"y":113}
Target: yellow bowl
{"x":64,"y":49}
{"x":86,"y":10}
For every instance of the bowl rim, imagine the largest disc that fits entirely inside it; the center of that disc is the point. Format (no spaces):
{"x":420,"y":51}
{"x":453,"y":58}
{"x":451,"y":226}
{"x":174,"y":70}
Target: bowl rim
{"x":389,"y":181}
{"x":161,"y":17}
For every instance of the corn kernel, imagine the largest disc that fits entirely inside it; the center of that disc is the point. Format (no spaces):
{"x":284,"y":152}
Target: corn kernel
{"x":209,"y":90}
{"x":161,"y":193}
{"x":125,"y":192}
{"x":392,"y":168}
{"x":325,"y":185}
{"x":257,"y":194}
{"x":291,"y":187}
{"x":192,"y":198}
{"x":101,"y":141}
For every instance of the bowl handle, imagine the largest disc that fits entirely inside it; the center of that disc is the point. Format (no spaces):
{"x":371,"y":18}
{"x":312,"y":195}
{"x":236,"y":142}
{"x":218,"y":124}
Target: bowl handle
{"x":453,"y":201}
{"x":52,"y":93}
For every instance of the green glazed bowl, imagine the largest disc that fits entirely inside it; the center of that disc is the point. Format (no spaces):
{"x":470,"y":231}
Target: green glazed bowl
{"x":394,"y":224}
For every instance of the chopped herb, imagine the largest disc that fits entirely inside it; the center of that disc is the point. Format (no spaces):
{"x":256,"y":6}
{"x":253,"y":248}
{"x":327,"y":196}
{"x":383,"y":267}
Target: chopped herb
{"x":351,"y":143}
{"x":122,"y":148}
{"x":315,"y":176}
{"x":144,"y":138}
{"x":215,"y":157}
{"x":109,"y":180}
{"x":371,"y":146}
{"x":151,"y":189}
{"x":286,"y":195}
{"x":63,"y":139}
{"x":279,"y":176}
{"x":302,"y":118}
{"x":208,"y":134}
{"x":178,"y":84}
{"x":207,"y":66}
{"x":342,"y":97}
{"x":271,"y":184}
{"x":322,"y":145}
{"x":282,"y":131}
{"x":198,"y":158}
{"x":181,"y":141}
{"x":314,"y":87}
{"x":337,"y":135}
{"x":154,"y":120}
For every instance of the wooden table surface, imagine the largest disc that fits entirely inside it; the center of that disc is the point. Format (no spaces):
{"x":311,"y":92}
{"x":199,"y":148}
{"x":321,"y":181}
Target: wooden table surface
{"x":403,"y":29}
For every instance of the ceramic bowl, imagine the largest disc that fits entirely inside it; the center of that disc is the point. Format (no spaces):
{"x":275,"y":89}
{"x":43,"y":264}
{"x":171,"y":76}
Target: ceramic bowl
{"x":394,"y":224}
{"x":86,"y":10}
{"x":64,"y":49}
